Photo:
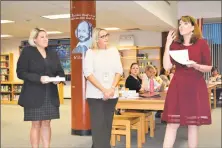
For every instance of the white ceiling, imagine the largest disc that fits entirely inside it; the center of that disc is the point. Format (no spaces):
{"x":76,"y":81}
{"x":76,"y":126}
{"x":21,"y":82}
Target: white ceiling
{"x":121,"y":14}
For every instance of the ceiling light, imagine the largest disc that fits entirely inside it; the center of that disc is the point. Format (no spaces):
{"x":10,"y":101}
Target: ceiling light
{"x":54,"y":32}
{"x":58,"y":16}
{"x":5,"y":35}
{"x":6,"y":21}
{"x":112,"y":28}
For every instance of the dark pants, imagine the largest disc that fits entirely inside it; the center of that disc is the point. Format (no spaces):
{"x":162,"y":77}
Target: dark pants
{"x":101,"y":116}
{"x":218,"y":91}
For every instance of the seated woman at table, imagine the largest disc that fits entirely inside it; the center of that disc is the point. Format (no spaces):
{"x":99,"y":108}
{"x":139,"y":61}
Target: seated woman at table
{"x":216,"y":77}
{"x":165,"y":76}
{"x":157,"y":77}
{"x":172,"y":71}
{"x":133,"y":81}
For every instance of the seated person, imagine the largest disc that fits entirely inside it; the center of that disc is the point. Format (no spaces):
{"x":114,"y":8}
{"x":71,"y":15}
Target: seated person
{"x":164,"y":75}
{"x":157,"y":77}
{"x":133,"y":81}
{"x":147,"y":76}
{"x":216,"y":77}
{"x":172,"y":71}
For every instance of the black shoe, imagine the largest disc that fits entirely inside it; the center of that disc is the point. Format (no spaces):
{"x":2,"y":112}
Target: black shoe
{"x":163,"y":122}
{"x":158,"y":115}
{"x":117,"y":112}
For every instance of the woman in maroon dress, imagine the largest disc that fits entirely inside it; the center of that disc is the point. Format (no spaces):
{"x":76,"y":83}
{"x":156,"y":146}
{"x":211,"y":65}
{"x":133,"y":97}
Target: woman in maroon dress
{"x":187,"y":100}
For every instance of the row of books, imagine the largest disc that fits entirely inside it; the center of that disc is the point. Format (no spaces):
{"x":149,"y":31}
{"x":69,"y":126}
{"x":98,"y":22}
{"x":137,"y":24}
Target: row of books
{"x":7,"y":97}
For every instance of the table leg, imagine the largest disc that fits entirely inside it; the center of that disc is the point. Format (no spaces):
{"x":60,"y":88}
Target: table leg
{"x":215,"y":97}
{"x":209,"y":93}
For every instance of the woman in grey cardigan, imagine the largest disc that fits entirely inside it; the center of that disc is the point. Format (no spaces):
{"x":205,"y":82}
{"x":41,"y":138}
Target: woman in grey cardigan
{"x":103,"y":69}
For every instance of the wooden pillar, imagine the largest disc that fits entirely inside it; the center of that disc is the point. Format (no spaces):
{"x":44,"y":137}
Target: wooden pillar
{"x":82,"y":17}
{"x":164,"y":39}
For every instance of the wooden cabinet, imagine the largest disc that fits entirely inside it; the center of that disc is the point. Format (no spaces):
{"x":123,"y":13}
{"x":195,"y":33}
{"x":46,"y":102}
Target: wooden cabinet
{"x":144,"y":56}
{"x":10,"y":92}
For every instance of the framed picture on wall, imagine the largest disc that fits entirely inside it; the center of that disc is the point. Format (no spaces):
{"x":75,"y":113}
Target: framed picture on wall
{"x":63,"y":52}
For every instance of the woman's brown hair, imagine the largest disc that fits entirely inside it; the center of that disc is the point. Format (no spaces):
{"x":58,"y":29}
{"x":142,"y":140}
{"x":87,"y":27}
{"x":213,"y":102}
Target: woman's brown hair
{"x":196,"y":32}
{"x":132,"y":66}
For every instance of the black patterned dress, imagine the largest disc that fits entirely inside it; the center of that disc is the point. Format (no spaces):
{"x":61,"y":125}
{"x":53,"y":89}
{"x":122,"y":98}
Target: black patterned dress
{"x":47,"y":111}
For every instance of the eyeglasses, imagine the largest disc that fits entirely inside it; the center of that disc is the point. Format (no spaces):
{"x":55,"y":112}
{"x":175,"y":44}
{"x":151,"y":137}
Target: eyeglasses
{"x":104,"y":36}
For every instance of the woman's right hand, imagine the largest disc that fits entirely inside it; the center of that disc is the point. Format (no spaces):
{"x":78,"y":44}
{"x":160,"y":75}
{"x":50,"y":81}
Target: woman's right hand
{"x":43,"y":79}
{"x":142,"y":90}
{"x":171,"y":36}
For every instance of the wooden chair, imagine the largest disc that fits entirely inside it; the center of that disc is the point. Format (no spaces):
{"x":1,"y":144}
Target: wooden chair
{"x":149,"y":122}
{"x":122,"y":125}
{"x":140,"y":115}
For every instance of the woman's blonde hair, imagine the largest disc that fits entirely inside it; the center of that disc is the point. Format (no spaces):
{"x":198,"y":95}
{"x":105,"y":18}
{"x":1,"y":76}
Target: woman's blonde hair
{"x":95,"y":37}
{"x":34,"y":34}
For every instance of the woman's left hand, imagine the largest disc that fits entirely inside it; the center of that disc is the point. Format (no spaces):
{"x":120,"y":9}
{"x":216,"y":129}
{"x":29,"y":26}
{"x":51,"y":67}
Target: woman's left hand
{"x":111,"y":92}
{"x":56,"y":82}
{"x":194,"y":65}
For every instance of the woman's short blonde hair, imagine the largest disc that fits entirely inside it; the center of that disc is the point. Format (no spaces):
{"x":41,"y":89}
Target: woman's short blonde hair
{"x":95,"y":37}
{"x":34,"y":34}
{"x":148,"y":67}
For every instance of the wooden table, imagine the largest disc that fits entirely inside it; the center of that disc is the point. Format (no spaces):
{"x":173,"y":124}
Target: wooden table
{"x":143,"y":103}
{"x":155,"y":103}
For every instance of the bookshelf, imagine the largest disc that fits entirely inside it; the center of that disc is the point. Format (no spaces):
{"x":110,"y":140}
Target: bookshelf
{"x":6,"y":61}
{"x":143,"y":55}
{"x":10,"y":92}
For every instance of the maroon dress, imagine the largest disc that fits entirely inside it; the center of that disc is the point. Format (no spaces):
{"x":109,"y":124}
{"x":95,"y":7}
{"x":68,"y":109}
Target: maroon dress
{"x":187,"y":101}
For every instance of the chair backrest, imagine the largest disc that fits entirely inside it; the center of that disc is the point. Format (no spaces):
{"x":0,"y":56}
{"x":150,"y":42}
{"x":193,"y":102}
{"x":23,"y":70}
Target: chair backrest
{"x":162,"y":87}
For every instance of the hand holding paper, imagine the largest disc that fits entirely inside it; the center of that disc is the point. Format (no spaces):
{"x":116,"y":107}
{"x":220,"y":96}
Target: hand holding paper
{"x":55,"y":80}
{"x":181,"y":56}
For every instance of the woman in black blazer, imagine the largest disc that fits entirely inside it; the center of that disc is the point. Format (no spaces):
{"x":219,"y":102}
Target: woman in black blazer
{"x":39,"y":98}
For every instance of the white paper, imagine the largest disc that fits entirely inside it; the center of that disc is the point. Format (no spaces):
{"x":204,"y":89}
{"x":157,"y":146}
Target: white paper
{"x":55,"y":79}
{"x":181,"y":56}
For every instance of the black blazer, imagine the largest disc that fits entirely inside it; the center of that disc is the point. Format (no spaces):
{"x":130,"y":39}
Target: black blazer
{"x":30,"y":68}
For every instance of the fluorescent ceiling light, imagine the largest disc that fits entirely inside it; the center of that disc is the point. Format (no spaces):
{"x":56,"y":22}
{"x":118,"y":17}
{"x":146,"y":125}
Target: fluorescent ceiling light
{"x":58,"y":16}
{"x":5,"y":35}
{"x":54,"y":32}
{"x":112,"y":28}
{"x":6,"y":21}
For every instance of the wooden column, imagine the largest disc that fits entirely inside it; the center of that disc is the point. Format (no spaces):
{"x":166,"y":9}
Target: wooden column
{"x":164,"y":39}
{"x":82,"y":16}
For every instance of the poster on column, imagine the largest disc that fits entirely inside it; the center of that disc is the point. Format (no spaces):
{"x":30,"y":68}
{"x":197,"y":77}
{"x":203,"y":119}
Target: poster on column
{"x":82,"y":24}
{"x":83,"y":32}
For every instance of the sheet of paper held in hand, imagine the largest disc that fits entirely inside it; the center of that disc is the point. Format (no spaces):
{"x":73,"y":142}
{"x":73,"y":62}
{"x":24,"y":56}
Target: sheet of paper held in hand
{"x":181,"y":56}
{"x":56,"y":79}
